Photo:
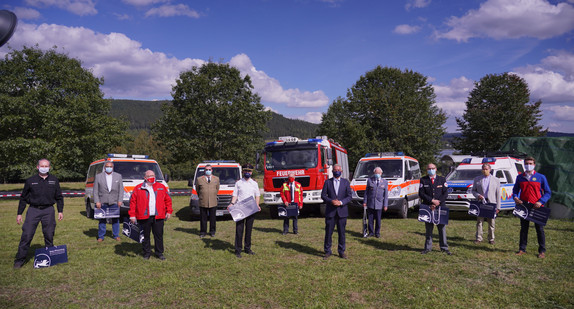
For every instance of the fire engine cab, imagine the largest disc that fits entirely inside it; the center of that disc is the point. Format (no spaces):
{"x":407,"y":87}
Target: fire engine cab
{"x":402,"y":173}
{"x":310,"y":159}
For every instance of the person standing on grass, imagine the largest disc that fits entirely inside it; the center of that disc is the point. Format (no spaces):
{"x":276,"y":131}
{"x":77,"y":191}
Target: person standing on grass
{"x":150,"y":205}
{"x":109,"y":193}
{"x":376,"y":200}
{"x":486,"y":188}
{"x":291,"y":193}
{"x":433,"y":192}
{"x":207,"y":189}
{"x":532,"y":188}
{"x":244,"y":188}
{"x":337,"y":195}
{"x":41,"y":192}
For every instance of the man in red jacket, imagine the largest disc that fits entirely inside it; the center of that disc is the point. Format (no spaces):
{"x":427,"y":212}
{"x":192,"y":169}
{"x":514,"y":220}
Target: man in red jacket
{"x":291,"y":192}
{"x":150,"y":204}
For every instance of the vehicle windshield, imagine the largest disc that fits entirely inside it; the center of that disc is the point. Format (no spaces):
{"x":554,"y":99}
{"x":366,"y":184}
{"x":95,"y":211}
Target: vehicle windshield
{"x":464,"y":174}
{"x":227,"y":175}
{"x":291,"y":159}
{"x":392,"y":169}
{"x":136,"y":170}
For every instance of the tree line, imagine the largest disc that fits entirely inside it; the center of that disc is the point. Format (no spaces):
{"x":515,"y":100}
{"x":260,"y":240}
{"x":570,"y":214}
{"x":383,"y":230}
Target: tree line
{"x":51,"y":107}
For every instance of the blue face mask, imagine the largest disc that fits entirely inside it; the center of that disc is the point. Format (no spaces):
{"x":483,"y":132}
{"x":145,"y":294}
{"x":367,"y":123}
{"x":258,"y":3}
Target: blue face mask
{"x":109,"y":170}
{"x":247,"y":175}
{"x":337,"y":174}
{"x":378,"y":176}
{"x":431,"y":172}
{"x":208,"y":172}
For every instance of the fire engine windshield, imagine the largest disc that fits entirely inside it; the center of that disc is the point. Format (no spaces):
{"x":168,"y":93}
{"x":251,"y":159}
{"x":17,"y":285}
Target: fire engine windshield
{"x":291,"y":159}
{"x":136,"y":169}
{"x":464,"y":174}
{"x":227,"y":175}
{"x":392,"y":169}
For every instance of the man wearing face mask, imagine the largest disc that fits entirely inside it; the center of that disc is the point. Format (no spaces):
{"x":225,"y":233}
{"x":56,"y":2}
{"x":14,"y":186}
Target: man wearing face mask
{"x":108,"y":193}
{"x":486,"y":189}
{"x":207,"y":189}
{"x":531,"y":188}
{"x":376,"y":200}
{"x":291,"y":192}
{"x":337,"y":195}
{"x":40,"y":191}
{"x":245,"y":188}
{"x":150,"y":205}
{"x":433,"y":192}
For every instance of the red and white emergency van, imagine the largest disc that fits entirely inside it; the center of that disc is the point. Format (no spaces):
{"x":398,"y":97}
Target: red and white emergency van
{"x":402,"y":172}
{"x":132,"y":168}
{"x":228,"y":172}
{"x":310,"y":159}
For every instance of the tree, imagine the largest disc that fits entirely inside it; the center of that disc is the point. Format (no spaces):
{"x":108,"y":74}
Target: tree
{"x":51,"y":107}
{"x":214,"y":115}
{"x":387,"y":110}
{"x":497,"y":108}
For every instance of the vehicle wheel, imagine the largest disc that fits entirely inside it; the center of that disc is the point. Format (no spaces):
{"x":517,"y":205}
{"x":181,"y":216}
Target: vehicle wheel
{"x":273,"y":213}
{"x":89,"y":210}
{"x":404,"y":209}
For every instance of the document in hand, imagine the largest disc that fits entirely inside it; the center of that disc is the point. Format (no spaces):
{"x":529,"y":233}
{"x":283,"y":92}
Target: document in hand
{"x":106,"y":212}
{"x":437,"y":216}
{"x":288,"y":211}
{"x":133,"y":230}
{"x":50,"y":256}
{"x":483,"y":210}
{"x":527,"y":211}
{"x":243,"y":209}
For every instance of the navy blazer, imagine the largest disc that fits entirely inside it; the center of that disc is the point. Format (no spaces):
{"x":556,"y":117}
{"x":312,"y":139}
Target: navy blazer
{"x":429,"y":191}
{"x":345,"y":196}
{"x":377,"y":197}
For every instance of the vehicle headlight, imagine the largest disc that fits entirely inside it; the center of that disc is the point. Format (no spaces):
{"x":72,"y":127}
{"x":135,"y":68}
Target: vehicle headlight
{"x":469,"y":190}
{"x":127,"y":196}
{"x":396,"y":191}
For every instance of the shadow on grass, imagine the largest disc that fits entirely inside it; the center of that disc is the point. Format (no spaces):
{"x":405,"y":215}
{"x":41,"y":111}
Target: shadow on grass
{"x":218,"y":244}
{"x":269,"y":229}
{"x":92,"y":233}
{"x":484,"y":246}
{"x":194,"y":231}
{"x":128,"y":249}
{"x":31,"y":253}
{"x":381,"y":245}
{"x":184,"y":214}
{"x":299,"y":248}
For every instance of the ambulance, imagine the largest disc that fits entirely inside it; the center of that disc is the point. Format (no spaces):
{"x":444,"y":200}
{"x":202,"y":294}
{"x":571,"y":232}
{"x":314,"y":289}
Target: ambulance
{"x":228,"y":172}
{"x":504,"y":167}
{"x":402,"y":172}
{"x":131,"y":167}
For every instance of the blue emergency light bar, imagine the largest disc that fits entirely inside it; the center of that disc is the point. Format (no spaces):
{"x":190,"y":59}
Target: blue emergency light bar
{"x":466,"y":160}
{"x":381,"y":154}
{"x":488,"y":160}
{"x":219,"y":161}
{"x":123,"y":155}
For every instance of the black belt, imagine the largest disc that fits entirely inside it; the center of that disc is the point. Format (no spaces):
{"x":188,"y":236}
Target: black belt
{"x":41,"y":206}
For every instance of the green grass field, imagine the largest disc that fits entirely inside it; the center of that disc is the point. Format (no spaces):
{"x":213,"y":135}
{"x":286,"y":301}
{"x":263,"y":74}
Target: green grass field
{"x":288,"y":271}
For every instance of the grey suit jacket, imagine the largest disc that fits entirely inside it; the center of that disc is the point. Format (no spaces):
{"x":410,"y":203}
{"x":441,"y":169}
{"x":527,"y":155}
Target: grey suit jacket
{"x":105,"y":196}
{"x":377,"y":197}
{"x":493,"y":189}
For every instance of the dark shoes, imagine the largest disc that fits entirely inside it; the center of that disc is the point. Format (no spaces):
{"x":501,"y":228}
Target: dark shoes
{"x":160,"y":256}
{"x":425,"y":251}
{"x":146,"y":257}
{"x":491,"y":242}
{"x":212,"y":234}
{"x":201,"y":235}
{"x":284,"y":233}
{"x":250,"y":252}
{"x":378,"y":236}
{"x":18,"y":264}
{"x":327,"y":255}
{"x":238,"y":255}
{"x":447,"y":252}
{"x":343,"y":255}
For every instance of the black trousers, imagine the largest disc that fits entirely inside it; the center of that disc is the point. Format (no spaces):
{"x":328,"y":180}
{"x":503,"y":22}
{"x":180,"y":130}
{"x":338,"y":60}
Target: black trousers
{"x":205,"y":213}
{"x":241,"y":226}
{"x":33,"y":217}
{"x":286,"y":225}
{"x":374,"y":217}
{"x":156,"y":226}
{"x":341,"y":224}
{"x":524,"y":227}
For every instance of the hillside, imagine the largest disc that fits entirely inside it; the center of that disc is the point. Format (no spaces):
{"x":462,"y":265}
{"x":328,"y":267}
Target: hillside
{"x":142,"y":114}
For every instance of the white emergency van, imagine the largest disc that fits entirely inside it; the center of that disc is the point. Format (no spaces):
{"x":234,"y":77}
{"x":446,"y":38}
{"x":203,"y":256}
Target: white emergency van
{"x":504,"y":167}
{"x":402,"y":172}
{"x":131,"y":167}
{"x":228,"y":172}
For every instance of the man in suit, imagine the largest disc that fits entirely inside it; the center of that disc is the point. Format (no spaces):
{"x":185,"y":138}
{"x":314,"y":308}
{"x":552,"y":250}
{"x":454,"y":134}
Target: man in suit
{"x":486,"y":189}
{"x":433,"y":192}
{"x":207,"y":189}
{"x":337,"y":195}
{"x":108,"y":193}
{"x":376,"y":200}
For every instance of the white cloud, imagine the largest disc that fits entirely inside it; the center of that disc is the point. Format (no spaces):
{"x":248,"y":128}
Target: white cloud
{"x":501,"y":19}
{"x":417,"y":4}
{"x":26,"y":13}
{"x":270,"y":89}
{"x":562,"y":112}
{"x":122,"y":16}
{"x":313,"y":117}
{"x":451,"y":98}
{"x":143,"y":2}
{"x":406,"y":29}
{"x":169,"y":10}
{"x":78,"y":7}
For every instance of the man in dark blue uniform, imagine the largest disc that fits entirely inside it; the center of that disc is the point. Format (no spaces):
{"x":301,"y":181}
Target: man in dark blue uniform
{"x":41,"y":191}
{"x":433,"y":192}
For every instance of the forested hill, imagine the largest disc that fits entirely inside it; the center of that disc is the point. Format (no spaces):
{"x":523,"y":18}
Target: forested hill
{"x":141,"y":115}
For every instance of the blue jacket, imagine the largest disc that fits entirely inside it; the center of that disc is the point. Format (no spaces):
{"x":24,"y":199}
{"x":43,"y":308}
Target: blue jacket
{"x":345,"y":196}
{"x":377,"y":197}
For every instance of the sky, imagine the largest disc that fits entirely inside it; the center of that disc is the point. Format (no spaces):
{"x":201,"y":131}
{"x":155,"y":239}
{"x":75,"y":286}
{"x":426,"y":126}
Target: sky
{"x":301,"y":55}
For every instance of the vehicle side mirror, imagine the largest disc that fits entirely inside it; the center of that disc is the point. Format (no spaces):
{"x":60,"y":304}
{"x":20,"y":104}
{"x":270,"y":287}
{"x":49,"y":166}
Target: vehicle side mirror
{"x":166,"y":177}
{"x":190,"y":182}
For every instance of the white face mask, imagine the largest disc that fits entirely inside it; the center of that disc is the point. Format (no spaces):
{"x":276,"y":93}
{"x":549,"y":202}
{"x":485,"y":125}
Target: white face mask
{"x":43,"y":170}
{"x":529,"y":168}
{"x":109,"y":170}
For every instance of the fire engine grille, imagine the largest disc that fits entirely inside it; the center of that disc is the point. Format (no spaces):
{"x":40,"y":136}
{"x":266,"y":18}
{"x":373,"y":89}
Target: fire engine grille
{"x":303,"y":180}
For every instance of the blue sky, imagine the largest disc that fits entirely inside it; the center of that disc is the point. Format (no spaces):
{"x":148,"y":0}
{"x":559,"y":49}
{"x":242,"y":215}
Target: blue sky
{"x":303,"y":54}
